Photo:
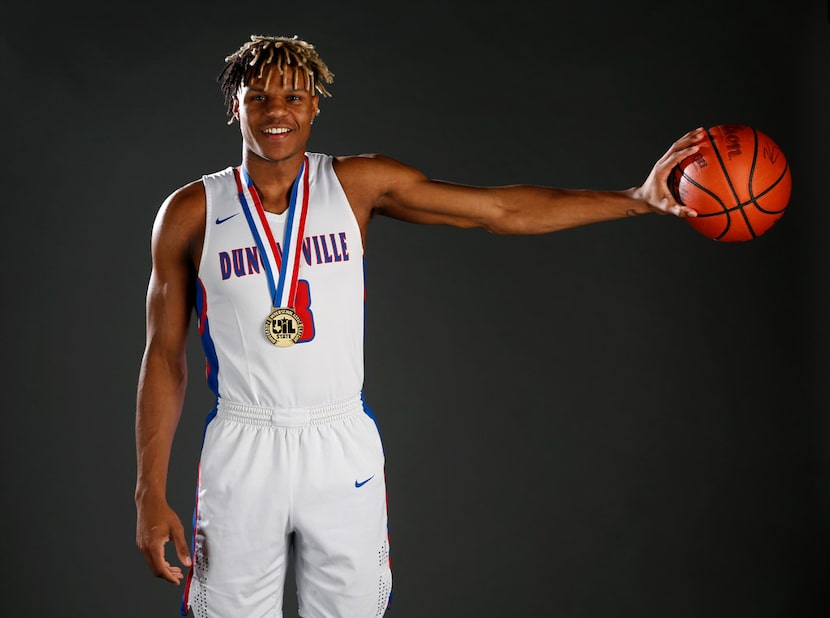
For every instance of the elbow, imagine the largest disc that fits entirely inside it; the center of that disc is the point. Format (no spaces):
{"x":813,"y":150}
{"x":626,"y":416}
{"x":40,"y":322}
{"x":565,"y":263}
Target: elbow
{"x":506,"y":222}
{"x":172,"y":364}
{"x":500,"y":220}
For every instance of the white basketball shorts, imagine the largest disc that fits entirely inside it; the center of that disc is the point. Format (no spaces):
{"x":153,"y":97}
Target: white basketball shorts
{"x":269,"y":478}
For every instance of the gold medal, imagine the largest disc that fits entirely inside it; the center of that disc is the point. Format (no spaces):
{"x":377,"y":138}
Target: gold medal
{"x":283,"y":327}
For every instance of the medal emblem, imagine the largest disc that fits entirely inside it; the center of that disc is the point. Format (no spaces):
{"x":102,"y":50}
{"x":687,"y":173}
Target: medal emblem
{"x":283,"y":327}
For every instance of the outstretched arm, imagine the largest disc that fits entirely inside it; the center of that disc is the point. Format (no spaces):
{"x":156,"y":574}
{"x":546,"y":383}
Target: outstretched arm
{"x":395,"y":190}
{"x":163,"y":379}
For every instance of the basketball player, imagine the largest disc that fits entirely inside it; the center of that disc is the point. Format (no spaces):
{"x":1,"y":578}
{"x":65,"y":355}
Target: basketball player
{"x":269,"y":256}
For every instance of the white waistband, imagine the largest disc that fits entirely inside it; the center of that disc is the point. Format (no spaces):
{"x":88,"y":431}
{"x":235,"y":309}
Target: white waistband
{"x":289,"y":417}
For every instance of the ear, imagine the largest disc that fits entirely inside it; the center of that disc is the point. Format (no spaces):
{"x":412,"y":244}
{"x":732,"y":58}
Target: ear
{"x":236,"y":108}
{"x":315,"y":106}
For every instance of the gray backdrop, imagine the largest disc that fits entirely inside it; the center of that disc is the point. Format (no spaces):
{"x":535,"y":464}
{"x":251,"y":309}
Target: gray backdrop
{"x":652,"y":442}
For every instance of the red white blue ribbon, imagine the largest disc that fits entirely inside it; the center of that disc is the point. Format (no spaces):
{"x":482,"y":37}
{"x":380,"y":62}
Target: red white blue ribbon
{"x":282,"y":264}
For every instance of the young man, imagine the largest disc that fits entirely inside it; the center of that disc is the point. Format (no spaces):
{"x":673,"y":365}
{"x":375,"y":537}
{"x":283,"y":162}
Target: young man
{"x":269,"y":255}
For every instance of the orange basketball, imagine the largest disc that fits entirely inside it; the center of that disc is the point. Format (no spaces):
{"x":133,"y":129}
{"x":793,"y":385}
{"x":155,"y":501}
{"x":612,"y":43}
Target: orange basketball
{"x":738,"y":182}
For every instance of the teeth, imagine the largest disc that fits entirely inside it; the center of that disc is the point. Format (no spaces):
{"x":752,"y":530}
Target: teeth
{"x":277,"y":130}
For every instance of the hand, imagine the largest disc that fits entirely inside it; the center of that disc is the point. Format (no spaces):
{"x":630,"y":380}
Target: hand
{"x":157,"y":524}
{"x":655,"y":190}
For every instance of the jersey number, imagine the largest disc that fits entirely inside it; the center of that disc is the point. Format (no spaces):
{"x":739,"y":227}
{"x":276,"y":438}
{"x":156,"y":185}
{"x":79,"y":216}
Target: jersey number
{"x":303,"y":308}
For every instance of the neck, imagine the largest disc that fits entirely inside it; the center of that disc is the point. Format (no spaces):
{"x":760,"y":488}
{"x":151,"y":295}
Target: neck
{"x":273,"y":180}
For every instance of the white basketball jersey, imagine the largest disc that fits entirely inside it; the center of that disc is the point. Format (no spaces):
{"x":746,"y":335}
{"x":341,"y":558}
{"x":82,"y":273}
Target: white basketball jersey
{"x":233,"y":299}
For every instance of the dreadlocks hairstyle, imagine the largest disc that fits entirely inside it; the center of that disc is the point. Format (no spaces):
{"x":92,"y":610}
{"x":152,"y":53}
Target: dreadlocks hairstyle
{"x":251,"y":59}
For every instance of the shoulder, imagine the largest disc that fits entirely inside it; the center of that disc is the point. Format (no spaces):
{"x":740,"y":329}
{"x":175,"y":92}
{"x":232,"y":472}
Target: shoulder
{"x":369,"y":177}
{"x":372,"y":164}
{"x":190,"y":201}
{"x":180,"y":221}
{"x":183,"y":205}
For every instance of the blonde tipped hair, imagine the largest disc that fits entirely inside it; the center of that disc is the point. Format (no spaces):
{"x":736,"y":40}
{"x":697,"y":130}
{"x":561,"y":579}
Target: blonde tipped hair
{"x":251,"y":60}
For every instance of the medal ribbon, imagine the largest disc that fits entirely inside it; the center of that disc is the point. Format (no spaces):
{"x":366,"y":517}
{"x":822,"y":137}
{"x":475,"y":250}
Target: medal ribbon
{"x":285,"y":263}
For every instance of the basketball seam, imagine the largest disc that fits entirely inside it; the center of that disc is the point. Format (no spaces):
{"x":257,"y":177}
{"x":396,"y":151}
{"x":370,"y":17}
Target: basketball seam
{"x":716,"y":197}
{"x":749,"y":183}
{"x":727,"y":210}
{"x":767,"y":190}
{"x":731,"y":185}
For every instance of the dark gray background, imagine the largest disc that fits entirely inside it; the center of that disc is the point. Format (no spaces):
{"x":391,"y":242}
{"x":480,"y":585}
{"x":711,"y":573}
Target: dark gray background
{"x":652,"y":442}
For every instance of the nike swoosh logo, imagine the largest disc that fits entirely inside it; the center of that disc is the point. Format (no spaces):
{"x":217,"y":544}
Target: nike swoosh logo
{"x":359,"y":484}
{"x":221,"y":221}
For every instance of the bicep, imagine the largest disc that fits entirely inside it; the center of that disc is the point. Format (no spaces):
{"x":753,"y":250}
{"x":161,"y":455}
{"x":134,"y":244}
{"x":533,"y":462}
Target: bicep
{"x":417,"y":199}
{"x":435,"y":202}
{"x":168,"y":307}
{"x":171,"y":289}
{"x":379,"y":185}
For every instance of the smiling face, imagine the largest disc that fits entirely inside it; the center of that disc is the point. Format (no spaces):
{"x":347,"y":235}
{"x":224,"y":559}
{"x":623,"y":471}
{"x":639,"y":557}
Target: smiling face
{"x":275,"y":113}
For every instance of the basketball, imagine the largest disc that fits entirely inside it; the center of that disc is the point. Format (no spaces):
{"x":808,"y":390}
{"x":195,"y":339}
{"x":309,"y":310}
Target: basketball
{"x":738,"y":182}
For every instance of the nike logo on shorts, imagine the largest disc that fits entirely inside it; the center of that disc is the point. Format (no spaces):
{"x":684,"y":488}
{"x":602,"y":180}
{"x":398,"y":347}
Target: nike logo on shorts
{"x":359,"y":484}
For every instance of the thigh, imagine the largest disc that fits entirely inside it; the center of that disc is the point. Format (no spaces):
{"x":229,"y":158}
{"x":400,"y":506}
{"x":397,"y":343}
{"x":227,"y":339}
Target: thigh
{"x":342,"y":539}
{"x":241,"y":529}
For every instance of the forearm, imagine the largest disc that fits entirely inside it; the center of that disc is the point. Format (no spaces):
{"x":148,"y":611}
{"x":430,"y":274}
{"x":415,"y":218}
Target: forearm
{"x":161,"y":389}
{"x":159,"y":402}
{"x":539,"y":210}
